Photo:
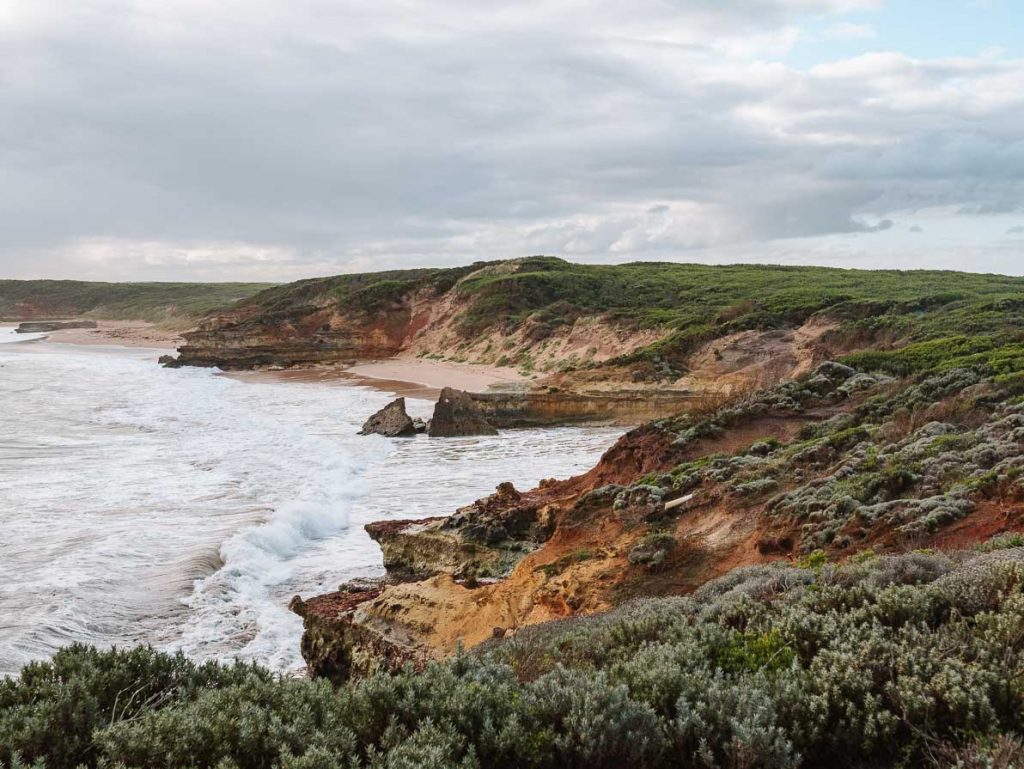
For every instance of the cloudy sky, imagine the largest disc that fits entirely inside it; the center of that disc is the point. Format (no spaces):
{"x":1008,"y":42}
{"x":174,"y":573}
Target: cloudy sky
{"x":278,"y":139}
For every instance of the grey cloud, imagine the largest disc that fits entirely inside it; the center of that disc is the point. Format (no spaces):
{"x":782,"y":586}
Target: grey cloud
{"x":990,"y":208}
{"x":882,"y":226}
{"x":152,"y":138}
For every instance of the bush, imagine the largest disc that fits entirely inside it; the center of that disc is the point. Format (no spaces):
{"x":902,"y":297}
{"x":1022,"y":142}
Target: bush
{"x":874,"y":663}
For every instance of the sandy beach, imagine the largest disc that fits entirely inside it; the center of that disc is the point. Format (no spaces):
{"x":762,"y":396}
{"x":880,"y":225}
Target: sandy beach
{"x":437,"y":374}
{"x":125,"y":333}
{"x":408,"y":377}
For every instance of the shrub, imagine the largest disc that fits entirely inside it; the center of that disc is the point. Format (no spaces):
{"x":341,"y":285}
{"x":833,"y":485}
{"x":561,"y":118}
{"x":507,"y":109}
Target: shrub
{"x":893,"y":661}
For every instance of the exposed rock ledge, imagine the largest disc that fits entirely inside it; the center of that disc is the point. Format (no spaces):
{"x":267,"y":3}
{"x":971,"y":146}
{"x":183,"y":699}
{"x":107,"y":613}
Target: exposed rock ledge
{"x":482,"y":540}
{"x":435,"y":566}
{"x":46,"y":326}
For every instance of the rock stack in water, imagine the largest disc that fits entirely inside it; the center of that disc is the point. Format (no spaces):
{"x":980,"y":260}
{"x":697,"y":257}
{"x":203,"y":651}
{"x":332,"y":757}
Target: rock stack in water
{"x":391,"y":421}
{"x":455,"y":415}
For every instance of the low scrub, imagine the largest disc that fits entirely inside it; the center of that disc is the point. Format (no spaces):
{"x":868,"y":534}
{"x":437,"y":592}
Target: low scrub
{"x":908,"y":660}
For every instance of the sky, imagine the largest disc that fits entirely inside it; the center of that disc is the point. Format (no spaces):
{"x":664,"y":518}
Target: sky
{"x":281,"y":139}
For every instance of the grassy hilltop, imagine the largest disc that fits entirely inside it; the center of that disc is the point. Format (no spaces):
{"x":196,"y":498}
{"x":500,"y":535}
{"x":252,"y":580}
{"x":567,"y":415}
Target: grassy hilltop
{"x":957,"y":314}
{"x":176,"y":305}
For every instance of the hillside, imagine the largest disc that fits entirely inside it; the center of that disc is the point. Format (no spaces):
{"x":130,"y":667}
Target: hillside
{"x":850,"y":459}
{"x":171,"y":305}
{"x":684,"y":325}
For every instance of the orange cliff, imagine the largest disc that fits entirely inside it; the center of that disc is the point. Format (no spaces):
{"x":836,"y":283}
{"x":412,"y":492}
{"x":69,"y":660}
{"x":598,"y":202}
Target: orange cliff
{"x":678,"y":502}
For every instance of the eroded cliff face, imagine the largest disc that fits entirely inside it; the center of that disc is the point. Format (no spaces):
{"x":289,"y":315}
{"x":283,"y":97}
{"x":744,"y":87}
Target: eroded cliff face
{"x":834,"y":465}
{"x":245,"y":339}
{"x":420,"y":323}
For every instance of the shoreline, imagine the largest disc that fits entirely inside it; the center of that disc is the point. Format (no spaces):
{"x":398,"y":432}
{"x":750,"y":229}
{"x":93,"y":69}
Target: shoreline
{"x":437,"y":374}
{"x":405,"y":377}
{"x":416,"y":378}
{"x":342,"y":377}
{"x":122,"y":333}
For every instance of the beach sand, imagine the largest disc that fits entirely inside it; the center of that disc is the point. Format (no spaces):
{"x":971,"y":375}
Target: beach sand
{"x":123,"y":333}
{"x":437,"y":374}
{"x":407,"y":377}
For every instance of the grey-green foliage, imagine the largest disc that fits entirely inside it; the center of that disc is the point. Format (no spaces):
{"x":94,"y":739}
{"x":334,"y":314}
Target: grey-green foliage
{"x":884,"y":662}
{"x":882,"y":462}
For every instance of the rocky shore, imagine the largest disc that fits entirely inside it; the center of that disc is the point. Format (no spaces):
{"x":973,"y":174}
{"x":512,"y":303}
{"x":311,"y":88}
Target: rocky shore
{"x":788,"y":473}
{"x":778,"y":422}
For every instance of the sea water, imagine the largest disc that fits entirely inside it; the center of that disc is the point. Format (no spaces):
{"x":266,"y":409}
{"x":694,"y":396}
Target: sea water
{"x":183,"y":508}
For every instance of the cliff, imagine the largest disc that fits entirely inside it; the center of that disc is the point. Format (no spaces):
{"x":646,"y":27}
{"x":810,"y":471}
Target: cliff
{"x":591,"y":328}
{"x":839,"y":463}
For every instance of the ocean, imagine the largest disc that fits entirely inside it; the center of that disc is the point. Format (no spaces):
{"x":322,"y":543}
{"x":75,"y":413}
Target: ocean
{"x":183,"y":508}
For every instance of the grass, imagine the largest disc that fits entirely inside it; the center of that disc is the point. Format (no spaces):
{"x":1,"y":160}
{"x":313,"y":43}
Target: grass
{"x":689,"y":296}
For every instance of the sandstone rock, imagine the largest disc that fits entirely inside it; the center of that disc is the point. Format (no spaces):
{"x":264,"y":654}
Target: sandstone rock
{"x":416,"y":549}
{"x":391,"y":421}
{"x":168,"y":361}
{"x":456,"y":415}
{"x":339,"y":645}
{"x":504,"y":516}
{"x":481,"y":540}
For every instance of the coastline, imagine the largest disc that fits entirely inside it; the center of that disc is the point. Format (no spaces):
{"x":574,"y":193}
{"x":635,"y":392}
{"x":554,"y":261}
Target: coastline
{"x":408,"y":377}
{"x":295,"y":470}
{"x":343,"y":377}
{"x":124,"y":333}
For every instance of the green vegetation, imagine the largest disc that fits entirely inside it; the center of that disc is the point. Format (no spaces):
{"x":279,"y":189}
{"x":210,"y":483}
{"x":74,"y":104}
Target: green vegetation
{"x":914,"y":660}
{"x":989,"y":354}
{"x":915,"y":311}
{"x":366,"y":293}
{"x":899,"y":459}
{"x":935,"y":317}
{"x":173,"y":305}
{"x":698,"y":303}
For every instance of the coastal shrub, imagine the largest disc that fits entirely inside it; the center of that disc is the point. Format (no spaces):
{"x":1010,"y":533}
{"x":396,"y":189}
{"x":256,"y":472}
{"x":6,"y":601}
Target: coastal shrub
{"x":888,"y":661}
{"x":82,"y":689}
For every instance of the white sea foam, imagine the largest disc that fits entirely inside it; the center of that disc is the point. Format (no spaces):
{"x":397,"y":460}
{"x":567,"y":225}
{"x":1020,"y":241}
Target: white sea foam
{"x":184,"y":508}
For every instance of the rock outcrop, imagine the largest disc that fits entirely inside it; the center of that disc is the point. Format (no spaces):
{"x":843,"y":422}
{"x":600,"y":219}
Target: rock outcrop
{"x":392,"y":421}
{"x":483,"y":540}
{"x":46,"y":326}
{"x":455,"y":415}
{"x":338,"y":643}
{"x":461,"y":413}
{"x":548,"y":406}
